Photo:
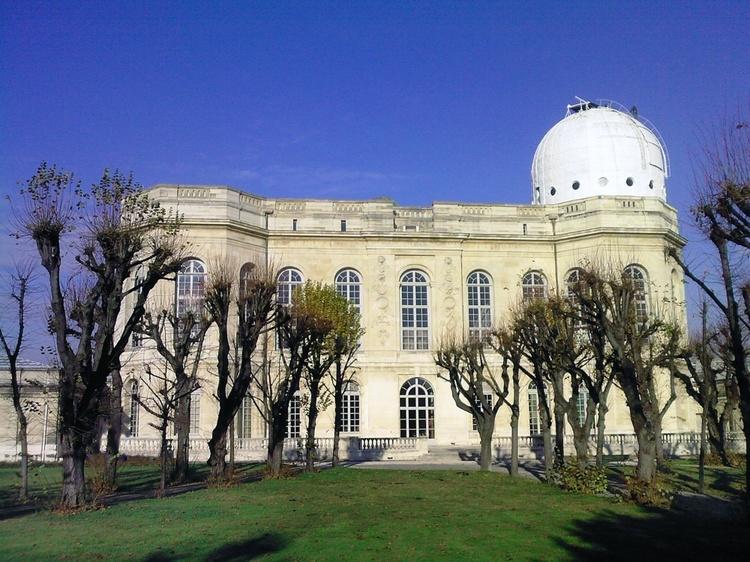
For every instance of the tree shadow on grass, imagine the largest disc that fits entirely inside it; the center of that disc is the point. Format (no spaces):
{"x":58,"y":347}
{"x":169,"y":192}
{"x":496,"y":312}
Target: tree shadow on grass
{"x":657,"y":535}
{"x":232,"y":552}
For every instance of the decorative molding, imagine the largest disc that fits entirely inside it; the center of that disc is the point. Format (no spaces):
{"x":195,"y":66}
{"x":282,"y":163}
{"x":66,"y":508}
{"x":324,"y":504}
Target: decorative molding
{"x":195,"y":193}
{"x":383,"y":317}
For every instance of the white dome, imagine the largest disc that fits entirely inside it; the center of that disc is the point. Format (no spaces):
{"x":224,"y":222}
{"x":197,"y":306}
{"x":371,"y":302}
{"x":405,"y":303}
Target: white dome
{"x":598,"y":150}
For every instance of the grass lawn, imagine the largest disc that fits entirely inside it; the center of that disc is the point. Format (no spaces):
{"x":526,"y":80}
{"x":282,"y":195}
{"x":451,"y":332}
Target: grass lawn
{"x":374,"y":514}
{"x":722,"y":482}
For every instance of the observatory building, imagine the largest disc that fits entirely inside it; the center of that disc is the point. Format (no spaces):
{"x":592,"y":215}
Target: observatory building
{"x":598,"y":192}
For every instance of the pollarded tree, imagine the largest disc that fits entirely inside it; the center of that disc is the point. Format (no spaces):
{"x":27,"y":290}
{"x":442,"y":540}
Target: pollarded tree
{"x":643,"y":346}
{"x":118,"y":229}
{"x":347,"y":339}
{"x":475,"y":388}
{"x":178,"y":338}
{"x":243,"y":309}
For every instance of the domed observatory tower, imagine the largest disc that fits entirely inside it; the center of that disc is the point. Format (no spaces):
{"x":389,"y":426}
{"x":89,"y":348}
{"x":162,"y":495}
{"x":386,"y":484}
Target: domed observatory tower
{"x":599,"y":149}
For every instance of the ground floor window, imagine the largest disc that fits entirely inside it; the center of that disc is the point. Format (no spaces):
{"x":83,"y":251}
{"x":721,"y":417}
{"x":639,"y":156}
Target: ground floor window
{"x":294,"y":420}
{"x":488,"y":398}
{"x":242,"y":423}
{"x":350,"y":408}
{"x":417,"y":407}
{"x":534,"y":425}
{"x":581,"y":400}
{"x":195,"y":413}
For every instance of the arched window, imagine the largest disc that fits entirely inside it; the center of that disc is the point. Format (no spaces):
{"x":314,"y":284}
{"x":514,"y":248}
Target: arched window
{"x":191,"y":287}
{"x":242,"y":423}
{"x":195,"y":413}
{"x":247,"y":272}
{"x":287,"y":280}
{"x":637,"y":276}
{"x":480,"y":305}
{"x":294,"y":420}
{"x":572,"y":280}
{"x":535,"y":427}
{"x":133,"y":408}
{"x":350,"y":408}
{"x":415,"y":317}
{"x":417,"y":407}
{"x":348,"y":285}
{"x":533,"y":286}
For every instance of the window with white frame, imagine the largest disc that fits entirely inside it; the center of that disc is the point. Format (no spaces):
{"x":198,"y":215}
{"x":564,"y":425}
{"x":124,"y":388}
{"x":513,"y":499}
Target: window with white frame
{"x":533,"y":286}
{"x":294,"y":420}
{"x":134,"y":408}
{"x":489,"y":399}
{"x":417,"y":409}
{"x":195,"y":413}
{"x":572,"y":282}
{"x":581,"y":400}
{"x":350,"y":408}
{"x":479,"y":290}
{"x":287,"y":281}
{"x":637,"y":276}
{"x":349,"y":285}
{"x":242,"y":423}
{"x":191,"y":287}
{"x":415,"y":316}
{"x":534,"y":422}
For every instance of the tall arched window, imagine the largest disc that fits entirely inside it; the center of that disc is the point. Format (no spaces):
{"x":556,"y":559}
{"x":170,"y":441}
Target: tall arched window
{"x":348,"y":285}
{"x":134,"y":408}
{"x":533,"y":286}
{"x":191,"y":287}
{"x":287,"y":280}
{"x":480,"y":305}
{"x":247,"y":272}
{"x":242,"y":423}
{"x":294,"y":420}
{"x":572,"y":281}
{"x":417,"y":407}
{"x":350,"y":408}
{"x":637,"y":275}
{"x":415,"y":316}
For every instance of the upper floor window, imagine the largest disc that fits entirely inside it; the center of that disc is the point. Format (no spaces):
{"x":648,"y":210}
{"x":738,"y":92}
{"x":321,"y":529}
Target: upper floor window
{"x":415,"y":317}
{"x":572,"y":281}
{"x":534,"y":286}
{"x":287,"y":280}
{"x":480,"y":305}
{"x":348,"y":285}
{"x":191,"y":287}
{"x":637,"y":275}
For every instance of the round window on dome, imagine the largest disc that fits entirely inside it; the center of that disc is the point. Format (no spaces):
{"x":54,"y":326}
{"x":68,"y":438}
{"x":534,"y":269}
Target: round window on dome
{"x":603,"y":181}
{"x":576,"y":185}
{"x":629,"y":182}
{"x":651,"y":184}
{"x":552,"y":191}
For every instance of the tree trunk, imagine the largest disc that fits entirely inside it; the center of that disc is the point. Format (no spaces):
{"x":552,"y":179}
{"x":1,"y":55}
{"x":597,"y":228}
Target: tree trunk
{"x":114,"y":431}
{"x":647,"y":456}
{"x":559,"y":433}
{"x":486,"y":429}
{"x":312,"y":420}
{"x":217,"y":458}
{"x":717,"y":435}
{"x":581,"y":444}
{"x":73,"y":452}
{"x":231,"y":447}
{"x":514,"y":439}
{"x":182,"y":429}
{"x":338,"y":399}
{"x":600,"y":428}
{"x":23,"y":493}
{"x":702,"y":455}
{"x":275,"y":450}
{"x":163,"y":464}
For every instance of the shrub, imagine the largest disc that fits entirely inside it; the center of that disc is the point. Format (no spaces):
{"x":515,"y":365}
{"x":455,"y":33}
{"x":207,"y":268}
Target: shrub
{"x":584,"y":480}
{"x":736,"y":460}
{"x":657,"y":493}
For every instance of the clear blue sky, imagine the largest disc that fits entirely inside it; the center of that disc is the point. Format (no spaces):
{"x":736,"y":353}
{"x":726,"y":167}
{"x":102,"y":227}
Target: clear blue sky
{"x":417,"y":101}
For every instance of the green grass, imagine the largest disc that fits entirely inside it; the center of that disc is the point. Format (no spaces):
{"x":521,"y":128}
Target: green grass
{"x":373,"y":514}
{"x":682,"y":475}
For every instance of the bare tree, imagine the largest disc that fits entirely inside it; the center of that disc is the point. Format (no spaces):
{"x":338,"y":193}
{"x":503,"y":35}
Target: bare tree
{"x":119,"y":229}
{"x":20,"y":286}
{"x":179,"y":340}
{"x":475,"y":388}
{"x":161,"y":400}
{"x":722,"y":212}
{"x":244,"y":312}
{"x":346,"y":344}
{"x":641,"y":346}
{"x":505,"y":342}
